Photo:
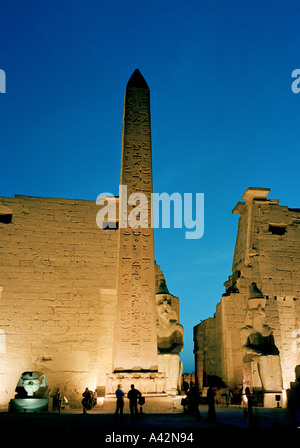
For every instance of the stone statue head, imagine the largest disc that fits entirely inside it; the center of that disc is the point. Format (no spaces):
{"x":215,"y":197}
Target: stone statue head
{"x":32,"y":384}
{"x":256,"y":303}
{"x":255,"y":316}
{"x":166,"y":314}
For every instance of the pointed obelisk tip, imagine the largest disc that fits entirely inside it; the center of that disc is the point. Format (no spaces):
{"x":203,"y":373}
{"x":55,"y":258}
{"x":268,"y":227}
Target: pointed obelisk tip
{"x":137,"y":80}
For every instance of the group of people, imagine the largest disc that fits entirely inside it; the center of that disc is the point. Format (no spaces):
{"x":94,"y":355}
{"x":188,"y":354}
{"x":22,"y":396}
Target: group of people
{"x":135,"y":398}
{"x":89,"y":399}
{"x":192,"y":402}
{"x":58,"y":400}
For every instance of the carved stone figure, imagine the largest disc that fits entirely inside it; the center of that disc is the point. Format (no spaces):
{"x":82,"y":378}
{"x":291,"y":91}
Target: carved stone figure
{"x":31,"y":393}
{"x":169,"y":331}
{"x":32,"y":385}
{"x":261,"y":353}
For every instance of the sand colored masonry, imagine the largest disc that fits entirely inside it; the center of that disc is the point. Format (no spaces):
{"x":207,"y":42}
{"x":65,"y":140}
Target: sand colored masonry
{"x":267,"y":253}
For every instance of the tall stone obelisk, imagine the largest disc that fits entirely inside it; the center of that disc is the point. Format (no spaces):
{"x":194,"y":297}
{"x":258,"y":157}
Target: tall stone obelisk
{"x":135,"y":343}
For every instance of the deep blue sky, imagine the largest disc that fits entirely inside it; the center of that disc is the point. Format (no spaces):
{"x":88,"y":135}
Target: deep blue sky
{"x":224,"y":117}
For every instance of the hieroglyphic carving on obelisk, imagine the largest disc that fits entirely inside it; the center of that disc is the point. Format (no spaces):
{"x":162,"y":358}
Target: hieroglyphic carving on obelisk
{"x":136,"y":334}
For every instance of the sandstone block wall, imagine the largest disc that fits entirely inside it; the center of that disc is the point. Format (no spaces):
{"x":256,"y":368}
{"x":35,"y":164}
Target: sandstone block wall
{"x":58,"y":296}
{"x":58,"y":275}
{"x":267,"y":252}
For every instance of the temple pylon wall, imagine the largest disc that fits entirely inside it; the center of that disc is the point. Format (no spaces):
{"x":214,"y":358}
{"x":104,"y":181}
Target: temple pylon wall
{"x":267,"y":252}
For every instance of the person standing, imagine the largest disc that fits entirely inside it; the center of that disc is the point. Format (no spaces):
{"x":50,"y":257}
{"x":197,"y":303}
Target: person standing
{"x":120,"y":401}
{"x":194,"y":401}
{"x":91,"y":400}
{"x":252,"y":420}
{"x":211,"y":404}
{"x":56,"y":403}
{"x":133,"y":396}
{"x":86,"y":399}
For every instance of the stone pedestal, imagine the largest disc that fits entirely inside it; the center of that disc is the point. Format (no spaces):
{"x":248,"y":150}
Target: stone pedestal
{"x":251,"y":376}
{"x":172,"y":366}
{"x":28,"y":405}
{"x":272,"y":399}
{"x":152,"y":386}
{"x":154,"y":404}
{"x":145,"y":382}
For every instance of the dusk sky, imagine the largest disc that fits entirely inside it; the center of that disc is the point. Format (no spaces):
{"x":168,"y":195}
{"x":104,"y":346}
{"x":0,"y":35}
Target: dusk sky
{"x":224,"y":117}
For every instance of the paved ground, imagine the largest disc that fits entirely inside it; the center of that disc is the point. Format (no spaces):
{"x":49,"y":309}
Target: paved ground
{"x":179,"y":428}
{"x":226,"y":417}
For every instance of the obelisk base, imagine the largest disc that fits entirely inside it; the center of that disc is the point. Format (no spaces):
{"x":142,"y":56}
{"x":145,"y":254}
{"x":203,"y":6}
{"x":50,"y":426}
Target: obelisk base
{"x":272,"y":399}
{"x":146,"y":382}
{"x":154,"y":404}
{"x":152,"y":386}
{"x":172,"y":366}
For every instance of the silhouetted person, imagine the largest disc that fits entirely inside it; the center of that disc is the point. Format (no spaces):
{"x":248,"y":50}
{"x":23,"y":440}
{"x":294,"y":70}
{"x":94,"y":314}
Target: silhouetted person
{"x":294,"y":402}
{"x":120,"y":401}
{"x":185,"y":387}
{"x":211,"y":415}
{"x":91,"y":400}
{"x":133,"y":396}
{"x":297,"y":404}
{"x":193,"y":401}
{"x":252,"y":419}
{"x":240,"y":394}
{"x":56,"y":403}
{"x":86,"y":401}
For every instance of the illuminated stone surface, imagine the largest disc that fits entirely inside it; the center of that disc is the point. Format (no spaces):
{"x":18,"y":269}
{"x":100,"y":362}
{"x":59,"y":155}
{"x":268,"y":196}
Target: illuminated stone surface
{"x":32,"y":384}
{"x":135,"y":343}
{"x":57,"y":297}
{"x":267,"y":252}
{"x":261,"y":361}
{"x":169,"y":337}
{"x":31,"y":393}
{"x":169,"y":331}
